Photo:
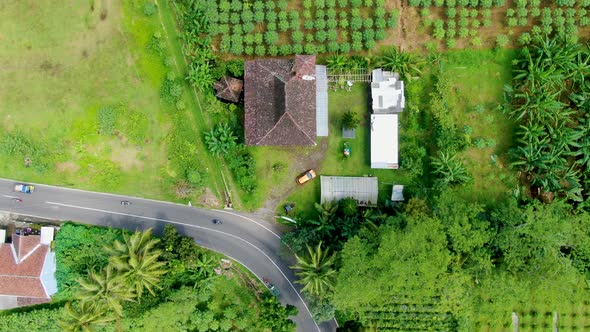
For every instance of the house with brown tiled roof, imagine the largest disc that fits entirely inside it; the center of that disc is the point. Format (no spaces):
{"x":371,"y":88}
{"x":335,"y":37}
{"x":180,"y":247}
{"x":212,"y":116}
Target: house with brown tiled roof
{"x":280,"y":101}
{"x":27,"y":268}
{"x":229,"y":88}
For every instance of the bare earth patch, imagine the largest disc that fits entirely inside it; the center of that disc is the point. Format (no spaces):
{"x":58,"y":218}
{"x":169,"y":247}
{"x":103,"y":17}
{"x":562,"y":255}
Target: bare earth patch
{"x":67,"y":167}
{"x":126,"y":157}
{"x":208,"y":199}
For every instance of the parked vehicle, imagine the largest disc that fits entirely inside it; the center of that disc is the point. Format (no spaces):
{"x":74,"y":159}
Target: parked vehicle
{"x":273,"y":290}
{"x":24,"y":188}
{"x":308,"y":175}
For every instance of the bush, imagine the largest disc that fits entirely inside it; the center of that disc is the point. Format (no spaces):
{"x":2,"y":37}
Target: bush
{"x":149,"y":8}
{"x":350,"y":120}
{"x":502,"y":40}
{"x":107,"y":120}
{"x":79,"y":248}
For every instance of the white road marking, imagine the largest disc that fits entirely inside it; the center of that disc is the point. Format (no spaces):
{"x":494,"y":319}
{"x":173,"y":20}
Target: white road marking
{"x":252,"y":220}
{"x":140,"y":199}
{"x":7,"y":196}
{"x":199,"y":227}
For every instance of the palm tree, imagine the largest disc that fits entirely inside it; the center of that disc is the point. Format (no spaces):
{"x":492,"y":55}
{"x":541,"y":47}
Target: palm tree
{"x":449,"y":169}
{"x":326,"y":209}
{"x":316,"y":271}
{"x":137,"y":260}
{"x":105,"y":288}
{"x":83,"y":317}
{"x":406,"y":64}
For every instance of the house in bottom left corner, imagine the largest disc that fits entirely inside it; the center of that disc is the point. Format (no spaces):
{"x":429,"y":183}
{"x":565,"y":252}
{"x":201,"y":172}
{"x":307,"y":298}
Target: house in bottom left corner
{"x":27,"y":269}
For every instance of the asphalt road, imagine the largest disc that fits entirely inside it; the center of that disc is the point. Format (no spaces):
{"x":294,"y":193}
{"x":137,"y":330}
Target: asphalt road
{"x":253,"y":243}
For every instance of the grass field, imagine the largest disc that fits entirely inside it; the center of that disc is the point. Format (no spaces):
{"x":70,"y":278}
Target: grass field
{"x":61,"y":64}
{"x":477,"y":78}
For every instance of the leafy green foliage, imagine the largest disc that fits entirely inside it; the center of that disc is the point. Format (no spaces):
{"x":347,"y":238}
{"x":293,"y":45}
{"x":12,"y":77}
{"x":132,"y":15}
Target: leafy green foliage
{"x":274,"y":315}
{"x":350,"y":120}
{"x":107,"y":120}
{"x":406,"y":64}
{"x":221,"y":140}
{"x":316,"y":271}
{"x":18,"y":145}
{"x":552,"y":117}
{"x":449,"y":170}
{"x":42,"y":320}
{"x":149,"y":8}
{"x":78,"y":249}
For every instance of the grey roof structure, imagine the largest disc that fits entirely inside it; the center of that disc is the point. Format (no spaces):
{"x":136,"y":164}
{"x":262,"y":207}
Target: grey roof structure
{"x":387,"y":92}
{"x":321,"y":100}
{"x":363,"y":189}
{"x":397,"y":193}
{"x":280,"y":101}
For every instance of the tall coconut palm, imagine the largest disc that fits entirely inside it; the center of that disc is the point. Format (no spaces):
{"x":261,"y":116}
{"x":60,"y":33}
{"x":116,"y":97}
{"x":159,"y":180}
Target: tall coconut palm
{"x":137,"y":260}
{"x":105,"y":288}
{"x":316,"y":271}
{"x":83,"y":317}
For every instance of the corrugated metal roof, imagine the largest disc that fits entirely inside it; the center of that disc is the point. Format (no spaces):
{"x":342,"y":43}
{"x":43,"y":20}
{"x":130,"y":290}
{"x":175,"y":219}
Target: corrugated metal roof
{"x":363,"y":189}
{"x":321,"y":100}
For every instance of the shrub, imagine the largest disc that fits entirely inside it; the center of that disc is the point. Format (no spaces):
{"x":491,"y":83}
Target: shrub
{"x":393,"y":19}
{"x":273,"y":50}
{"x":149,"y":8}
{"x":502,"y":40}
{"x":107,"y":120}
{"x":297,"y":36}
{"x":271,"y":37}
{"x":260,"y":50}
{"x":356,"y":23}
{"x":350,"y":120}
{"x":285,"y":49}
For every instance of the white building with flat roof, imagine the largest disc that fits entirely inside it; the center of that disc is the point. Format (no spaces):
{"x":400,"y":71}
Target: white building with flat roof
{"x":387,"y":92}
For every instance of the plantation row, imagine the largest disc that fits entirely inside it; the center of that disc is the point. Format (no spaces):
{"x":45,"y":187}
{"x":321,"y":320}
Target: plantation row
{"x":409,"y":317}
{"x":462,"y":20}
{"x":494,"y":3}
{"x":274,"y":28}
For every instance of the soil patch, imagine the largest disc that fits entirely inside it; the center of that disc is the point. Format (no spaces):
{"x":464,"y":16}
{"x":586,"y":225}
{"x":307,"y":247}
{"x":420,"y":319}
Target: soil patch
{"x":126,"y":157}
{"x":67,"y":167}
{"x":208,"y":199}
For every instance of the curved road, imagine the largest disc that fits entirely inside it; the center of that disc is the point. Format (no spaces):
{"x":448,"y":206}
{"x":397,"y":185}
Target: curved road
{"x":254,"y":244}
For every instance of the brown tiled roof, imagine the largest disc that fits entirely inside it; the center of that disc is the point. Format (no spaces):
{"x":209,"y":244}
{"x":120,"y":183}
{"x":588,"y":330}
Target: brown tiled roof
{"x":279,"y":105}
{"x":22,"y":277}
{"x":22,"y":286}
{"x":229,"y":88}
{"x":23,"y":301}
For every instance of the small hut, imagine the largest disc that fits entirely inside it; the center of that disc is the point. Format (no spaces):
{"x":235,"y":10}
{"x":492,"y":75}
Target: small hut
{"x":229,"y":88}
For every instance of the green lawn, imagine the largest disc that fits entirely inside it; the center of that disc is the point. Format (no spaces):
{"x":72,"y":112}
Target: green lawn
{"x":358,"y":164}
{"x":477,"y":79}
{"x":61,"y":63}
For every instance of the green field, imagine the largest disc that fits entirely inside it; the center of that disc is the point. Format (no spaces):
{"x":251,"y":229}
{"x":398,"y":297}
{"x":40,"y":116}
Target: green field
{"x":477,"y":79}
{"x":80,"y":96}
